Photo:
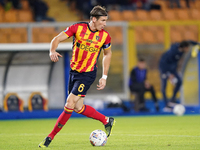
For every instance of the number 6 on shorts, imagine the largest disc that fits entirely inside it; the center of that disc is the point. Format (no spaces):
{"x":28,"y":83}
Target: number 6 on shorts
{"x":81,"y":87}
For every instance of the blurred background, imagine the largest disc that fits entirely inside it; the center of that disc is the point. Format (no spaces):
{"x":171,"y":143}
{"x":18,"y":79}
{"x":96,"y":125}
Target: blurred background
{"x":31,"y":86}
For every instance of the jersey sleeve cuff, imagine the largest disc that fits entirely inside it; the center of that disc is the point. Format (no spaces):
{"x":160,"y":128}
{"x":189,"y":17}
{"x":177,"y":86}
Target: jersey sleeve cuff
{"x":107,"y":48}
{"x":66,"y":34}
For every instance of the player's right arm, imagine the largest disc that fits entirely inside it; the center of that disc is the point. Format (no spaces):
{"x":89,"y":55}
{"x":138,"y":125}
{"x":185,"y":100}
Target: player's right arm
{"x":54,"y":44}
{"x":68,"y":32}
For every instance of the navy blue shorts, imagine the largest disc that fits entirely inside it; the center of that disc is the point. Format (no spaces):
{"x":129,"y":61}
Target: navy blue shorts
{"x":79,"y":83}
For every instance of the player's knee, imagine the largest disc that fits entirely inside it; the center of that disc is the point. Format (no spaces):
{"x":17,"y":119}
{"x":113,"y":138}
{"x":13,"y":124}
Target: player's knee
{"x":70,"y":103}
{"x":78,"y":108}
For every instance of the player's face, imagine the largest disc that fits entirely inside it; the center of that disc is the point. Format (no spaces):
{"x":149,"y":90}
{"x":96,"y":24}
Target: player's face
{"x":185,"y":49}
{"x":100,"y":23}
{"x":141,"y":65}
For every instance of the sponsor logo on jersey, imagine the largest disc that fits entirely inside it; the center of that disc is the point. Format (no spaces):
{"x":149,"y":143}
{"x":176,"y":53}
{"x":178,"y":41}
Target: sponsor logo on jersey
{"x":86,"y":47}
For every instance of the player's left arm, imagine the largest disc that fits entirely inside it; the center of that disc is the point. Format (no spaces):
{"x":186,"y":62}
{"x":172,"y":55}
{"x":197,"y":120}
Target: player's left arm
{"x":107,"y":54}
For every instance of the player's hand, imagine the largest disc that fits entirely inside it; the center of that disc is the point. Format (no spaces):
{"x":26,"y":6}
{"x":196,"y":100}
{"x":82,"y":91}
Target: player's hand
{"x":147,"y":84}
{"x":102,"y":84}
{"x":54,"y":56}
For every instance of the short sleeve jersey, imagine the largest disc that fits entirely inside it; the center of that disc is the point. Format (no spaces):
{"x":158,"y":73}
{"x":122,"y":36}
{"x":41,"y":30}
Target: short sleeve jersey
{"x":87,"y":45}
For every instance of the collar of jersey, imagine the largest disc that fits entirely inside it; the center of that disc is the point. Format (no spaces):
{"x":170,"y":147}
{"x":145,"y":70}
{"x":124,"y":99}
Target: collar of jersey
{"x":90,"y":29}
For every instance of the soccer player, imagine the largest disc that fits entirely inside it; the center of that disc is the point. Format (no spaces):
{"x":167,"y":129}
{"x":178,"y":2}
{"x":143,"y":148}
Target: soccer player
{"x":168,"y":69}
{"x":89,"y":39}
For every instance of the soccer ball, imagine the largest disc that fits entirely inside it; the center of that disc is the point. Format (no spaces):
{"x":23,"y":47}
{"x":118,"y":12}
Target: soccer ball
{"x":98,"y":138}
{"x":179,"y":110}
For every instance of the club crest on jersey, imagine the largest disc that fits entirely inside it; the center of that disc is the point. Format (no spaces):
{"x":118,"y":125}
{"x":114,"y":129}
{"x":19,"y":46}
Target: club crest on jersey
{"x":97,"y":37}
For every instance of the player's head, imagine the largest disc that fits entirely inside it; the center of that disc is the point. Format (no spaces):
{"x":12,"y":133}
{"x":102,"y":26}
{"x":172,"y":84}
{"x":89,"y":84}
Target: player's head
{"x":141,"y":63}
{"x":99,"y":16}
{"x":184,"y":46}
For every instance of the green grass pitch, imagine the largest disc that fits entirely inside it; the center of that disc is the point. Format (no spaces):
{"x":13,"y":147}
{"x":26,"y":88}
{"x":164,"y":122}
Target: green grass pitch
{"x":129,"y":133}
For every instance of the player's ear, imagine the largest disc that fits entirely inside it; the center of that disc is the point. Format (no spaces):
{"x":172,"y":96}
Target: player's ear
{"x":94,"y":19}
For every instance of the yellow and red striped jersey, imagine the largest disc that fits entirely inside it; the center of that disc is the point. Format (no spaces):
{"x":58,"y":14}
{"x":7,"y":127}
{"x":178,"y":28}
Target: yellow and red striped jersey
{"x":87,"y":45}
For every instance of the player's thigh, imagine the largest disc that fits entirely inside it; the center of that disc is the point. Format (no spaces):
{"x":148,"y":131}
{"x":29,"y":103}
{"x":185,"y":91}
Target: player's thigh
{"x":70,"y":83}
{"x":82,"y":85}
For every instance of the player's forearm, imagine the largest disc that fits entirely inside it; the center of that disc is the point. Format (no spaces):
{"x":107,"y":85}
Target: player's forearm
{"x":106,"y":63}
{"x":54,"y":44}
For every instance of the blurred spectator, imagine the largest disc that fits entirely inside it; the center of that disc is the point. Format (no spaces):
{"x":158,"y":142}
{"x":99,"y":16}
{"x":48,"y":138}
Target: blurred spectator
{"x":168,"y":70}
{"x":2,"y":2}
{"x":40,"y":10}
{"x":8,"y":4}
{"x":176,"y":2}
{"x":188,"y":2}
{"x":16,"y":4}
{"x":139,"y":84}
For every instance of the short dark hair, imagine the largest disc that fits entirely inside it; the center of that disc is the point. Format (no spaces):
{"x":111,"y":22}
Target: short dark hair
{"x":184,"y":44}
{"x":141,"y":59}
{"x":97,"y":12}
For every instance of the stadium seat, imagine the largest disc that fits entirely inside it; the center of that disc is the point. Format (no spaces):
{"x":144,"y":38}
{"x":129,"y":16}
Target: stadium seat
{"x":179,"y":28}
{"x":160,"y":36}
{"x":36,"y":30}
{"x":142,"y":15}
{"x":128,"y":15}
{"x":169,"y":14}
{"x":6,"y":30}
{"x":156,"y":15}
{"x":182,"y":14}
{"x":191,"y":33}
{"x":139,"y":31}
{"x":193,"y":28}
{"x":197,"y":4}
{"x":175,"y":35}
{"x":149,"y":36}
{"x":20,"y":30}
{"x":3,"y":38}
{"x":50,"y":30}
{"x":15,"y":38}
{"x":23,"y":34}
{"x":118,"y":37}
{"x":10,"y":16}
{"x":1,"y":14}
{"x":37,"y":102}
{"x":158,"y":33}
{"x":25,"y":16}
{"x":195,"y":13}
{"x":42,"y":38}
{"x":115,"y":15}
{"x":12,"y":102}
{"x":111,"y":30}
{"x":1,"y":18}
{"x":162,"y":3}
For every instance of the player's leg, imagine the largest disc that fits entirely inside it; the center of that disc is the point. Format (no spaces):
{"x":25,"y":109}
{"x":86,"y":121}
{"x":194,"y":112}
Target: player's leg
{"x":62,"y":119}
{"x":65,"y":115}
{"x":139,"y":88}
{"x":90,"y":112}
{"x":153,"y":94}
{"x":164,"y":78}
{"x":177,"y":87}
